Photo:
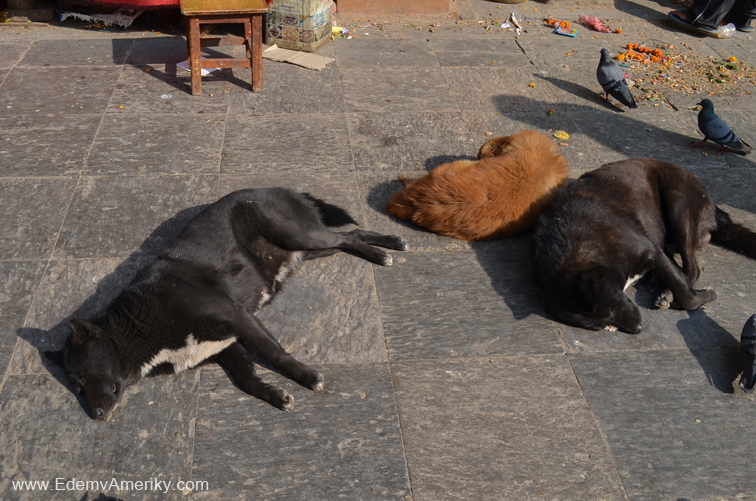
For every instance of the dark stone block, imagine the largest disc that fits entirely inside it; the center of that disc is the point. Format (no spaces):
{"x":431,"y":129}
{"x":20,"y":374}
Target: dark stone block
{"x":57,"y":89}
{"x":343,"y":442}
{"x":385,"y":53}
{"x":20,"y":281}
{"x":286,"y":143}
{"x":41,"y":145}
{"x":408,"y":141}
{"x":464,"y":304}
{"x":47,"y":436}
{"x":157,"y":144}
{"x":34,"y":210}
{"x":112,"y":216}
{"x":75,"y":52}
{"x":397,"y":89}
{"x":672,"y":428}
{"x":490,"y":429}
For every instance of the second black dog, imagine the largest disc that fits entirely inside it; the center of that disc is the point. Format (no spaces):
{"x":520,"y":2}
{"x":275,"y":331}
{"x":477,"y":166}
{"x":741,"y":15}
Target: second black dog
{"x":615,"y":224}
{"x":198,"y":299}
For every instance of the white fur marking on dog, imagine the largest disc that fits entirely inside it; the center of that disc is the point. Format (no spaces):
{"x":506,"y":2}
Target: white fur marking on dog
{"x":264,"y":298}
{"x":189,"y":356}
{"x":289,"y":267}
{"x":631,"y":281}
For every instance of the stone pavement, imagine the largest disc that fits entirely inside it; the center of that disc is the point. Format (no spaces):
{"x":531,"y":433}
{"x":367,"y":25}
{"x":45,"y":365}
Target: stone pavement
{"x":445,"y":380}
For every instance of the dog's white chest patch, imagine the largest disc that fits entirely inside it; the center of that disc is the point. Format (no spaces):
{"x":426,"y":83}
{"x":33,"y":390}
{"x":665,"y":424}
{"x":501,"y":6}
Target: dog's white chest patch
{"x":289,"y":267}
{"x":631,"y":281}
{"x":188,"y":356}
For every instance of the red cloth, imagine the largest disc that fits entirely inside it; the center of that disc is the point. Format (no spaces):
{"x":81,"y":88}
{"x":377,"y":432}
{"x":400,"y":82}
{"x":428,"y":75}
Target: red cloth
{"x":145,"y":4}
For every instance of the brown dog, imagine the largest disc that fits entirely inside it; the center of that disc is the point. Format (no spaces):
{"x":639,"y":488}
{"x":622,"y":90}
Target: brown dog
{"x":498,"y":195}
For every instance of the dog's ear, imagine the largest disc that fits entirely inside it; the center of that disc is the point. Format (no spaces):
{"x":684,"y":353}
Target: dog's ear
{"x":81,"y":331}
{"x":56,"y":357}
{"x":583,"y":294}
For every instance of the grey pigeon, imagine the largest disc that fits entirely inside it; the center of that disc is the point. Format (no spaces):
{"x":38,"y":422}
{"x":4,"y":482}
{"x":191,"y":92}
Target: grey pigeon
{"x":716,"y":130}
{"x":748,"y":355}
{"x":612,"y":80}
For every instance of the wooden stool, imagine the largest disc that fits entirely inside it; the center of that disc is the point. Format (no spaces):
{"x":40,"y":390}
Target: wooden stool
{"x":247,"y":12}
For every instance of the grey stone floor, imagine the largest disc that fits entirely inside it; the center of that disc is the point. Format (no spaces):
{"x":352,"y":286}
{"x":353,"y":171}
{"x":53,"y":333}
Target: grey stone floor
{"x":445,"y":380}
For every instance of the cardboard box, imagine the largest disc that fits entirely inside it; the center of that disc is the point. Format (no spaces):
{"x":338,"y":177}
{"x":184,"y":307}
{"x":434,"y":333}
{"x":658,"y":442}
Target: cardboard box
{"x":299,"y":24}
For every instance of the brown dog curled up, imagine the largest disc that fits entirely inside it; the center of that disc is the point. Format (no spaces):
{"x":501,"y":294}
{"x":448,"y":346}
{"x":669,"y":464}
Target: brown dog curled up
{"x":500,"y":194}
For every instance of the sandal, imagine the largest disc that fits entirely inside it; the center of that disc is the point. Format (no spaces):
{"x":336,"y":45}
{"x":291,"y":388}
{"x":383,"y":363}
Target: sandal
{"x":685,"y":24}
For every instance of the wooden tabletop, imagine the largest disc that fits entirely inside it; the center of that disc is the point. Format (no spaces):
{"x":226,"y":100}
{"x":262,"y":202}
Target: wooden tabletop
{"x":208,"y":7}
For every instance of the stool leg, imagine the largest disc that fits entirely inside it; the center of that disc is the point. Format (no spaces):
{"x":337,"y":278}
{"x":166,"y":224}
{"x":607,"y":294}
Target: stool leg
{"x":256,"y":61}
{"x":194,"y":56}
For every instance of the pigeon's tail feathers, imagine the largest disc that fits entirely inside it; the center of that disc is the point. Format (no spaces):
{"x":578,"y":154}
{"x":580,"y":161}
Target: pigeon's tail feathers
{"x":733,"y":236}
{"x":621,"y":92}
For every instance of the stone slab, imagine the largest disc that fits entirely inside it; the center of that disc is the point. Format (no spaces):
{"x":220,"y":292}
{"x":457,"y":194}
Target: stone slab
{"x":288,"y":89}
{"x":47,"y":435}
{"x":490,"y":429}
{"x":11,"y":52}
{"x":112,"y":216}
{"x":34,"y":209}
{"x":479,"y":52}
{"x":317,"y":142}
{"x":499,"y":90}
{"x":445,"y":305}
{"x":396,"y":89}
{"x":57,"y":89}
{"x":20,"y":281}
{"x":672,"y":430}
{"x":164,"y":88}
{"x":408,"y":141}
{"x":343,"y":442}
{"x":155,"y":50}
{"x":158,"y":144}
{"x":40,"y":144}
{"x":386,"y":53}
{"x":328,"y":312}
{"x":72,"y":53}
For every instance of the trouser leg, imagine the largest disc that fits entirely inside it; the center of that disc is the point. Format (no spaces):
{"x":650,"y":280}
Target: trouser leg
{"x":709,"y":13}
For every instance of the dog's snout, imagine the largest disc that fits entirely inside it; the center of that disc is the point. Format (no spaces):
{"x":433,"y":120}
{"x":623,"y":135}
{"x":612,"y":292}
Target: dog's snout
{"x":98,"y":413}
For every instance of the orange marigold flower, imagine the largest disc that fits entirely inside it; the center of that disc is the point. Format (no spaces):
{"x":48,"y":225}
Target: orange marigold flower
{"x":733,"y":59}
{"x":620,"y":57}
{"x":630,"y":46}
{"x":564,"y":24}
{"x":618,"y":31}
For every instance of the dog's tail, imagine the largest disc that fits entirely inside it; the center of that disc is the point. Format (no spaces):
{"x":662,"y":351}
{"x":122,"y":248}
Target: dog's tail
{"x":331,"y":215}
{"x":734,"y":236}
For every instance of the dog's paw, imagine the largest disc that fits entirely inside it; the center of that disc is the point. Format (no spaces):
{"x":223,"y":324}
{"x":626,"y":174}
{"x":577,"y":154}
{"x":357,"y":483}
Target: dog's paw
{"x":398,"y":243}
{"x":705,"y":296}
{"x":665,"y":300}
{"x":387,"y":260}
{"x":286,"y":402}
{"x":314,"y":381}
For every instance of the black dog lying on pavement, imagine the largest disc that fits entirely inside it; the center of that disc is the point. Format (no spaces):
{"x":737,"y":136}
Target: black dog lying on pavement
{"x":198,"y":299}
{"x":615,"y":224}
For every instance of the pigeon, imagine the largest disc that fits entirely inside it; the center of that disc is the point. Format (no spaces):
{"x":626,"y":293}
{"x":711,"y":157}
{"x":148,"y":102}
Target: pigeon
{"x":748,"y":355}
{"x":716,"y":130}
{"x":612,"y":80}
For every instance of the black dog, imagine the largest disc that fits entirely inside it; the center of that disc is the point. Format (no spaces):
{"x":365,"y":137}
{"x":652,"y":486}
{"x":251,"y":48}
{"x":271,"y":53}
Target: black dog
{"x":615,"y":224}
{"x":198,"y":299}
